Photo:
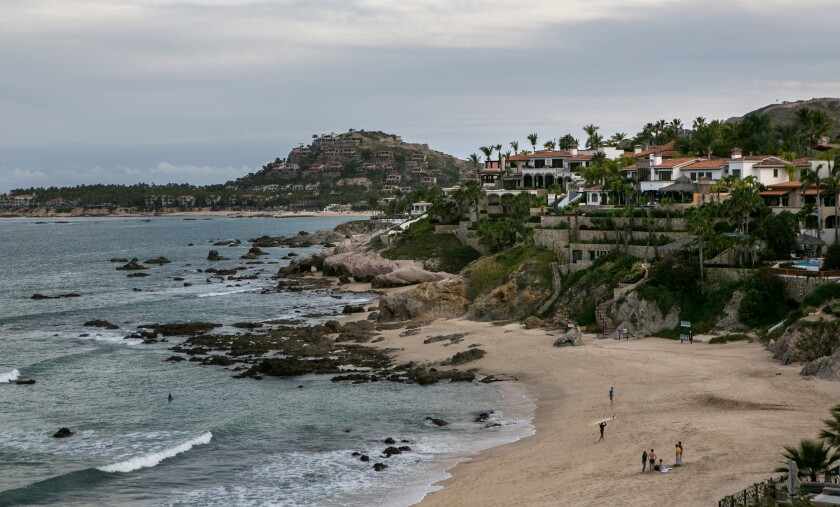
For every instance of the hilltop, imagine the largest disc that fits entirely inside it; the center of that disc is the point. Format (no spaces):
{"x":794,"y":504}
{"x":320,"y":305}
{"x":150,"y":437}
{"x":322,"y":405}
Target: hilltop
{"x":783,"y":112}
{"x":354,"y":166}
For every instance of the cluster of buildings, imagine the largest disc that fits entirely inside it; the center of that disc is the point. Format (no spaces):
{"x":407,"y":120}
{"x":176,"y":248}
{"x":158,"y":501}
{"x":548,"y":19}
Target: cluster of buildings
{"x":656,"y":172}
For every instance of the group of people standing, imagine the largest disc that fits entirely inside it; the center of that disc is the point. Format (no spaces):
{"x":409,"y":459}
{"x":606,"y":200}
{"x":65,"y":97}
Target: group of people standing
{"x":649,"y":459}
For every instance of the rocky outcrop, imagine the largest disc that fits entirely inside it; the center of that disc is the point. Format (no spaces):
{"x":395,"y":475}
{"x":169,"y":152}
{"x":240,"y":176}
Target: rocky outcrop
{"x":302,"y":239}
{"x":827,"y":368}
{"x":405,"y":275}
{"x":728,"y":321}
{"x":641,"y":317}
{"x":101,"y":323}
{"x":807,"y":341}
{"x":132,"y":265}
{"x":533,"y":322}
{"x":158,"y":260}
{"x":570,"y":338}
{"x":518,"y":297}
{"x":444,"y":299}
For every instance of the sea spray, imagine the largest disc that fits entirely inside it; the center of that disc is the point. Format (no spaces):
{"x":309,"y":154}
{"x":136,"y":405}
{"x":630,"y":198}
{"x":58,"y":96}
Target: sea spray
{"x":10,"y":376}
{"x":150,"y":460}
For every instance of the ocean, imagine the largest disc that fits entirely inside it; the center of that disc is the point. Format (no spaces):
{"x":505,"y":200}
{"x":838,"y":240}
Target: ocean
{"x":220,"y":441}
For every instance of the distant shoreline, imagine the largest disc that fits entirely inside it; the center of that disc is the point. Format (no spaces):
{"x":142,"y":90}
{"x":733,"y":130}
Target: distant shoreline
{"x":82,"y":212}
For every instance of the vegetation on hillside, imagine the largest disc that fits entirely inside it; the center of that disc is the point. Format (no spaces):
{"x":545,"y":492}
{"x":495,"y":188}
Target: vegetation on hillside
{"x":437,"y":252}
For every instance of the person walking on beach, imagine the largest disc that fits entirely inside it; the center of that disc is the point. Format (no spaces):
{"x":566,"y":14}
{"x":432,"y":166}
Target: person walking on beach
{"x":677,"y":456}
{"x":651,"y":460}
{"x":682,"y":451}
{"x":611,"y":394}
{"x":644,"y":460}
{"x":602,"y":425}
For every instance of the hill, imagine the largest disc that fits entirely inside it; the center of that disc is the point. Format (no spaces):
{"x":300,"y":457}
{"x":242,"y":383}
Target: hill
{"x":354,"y":167}
{"x":783,"y":112}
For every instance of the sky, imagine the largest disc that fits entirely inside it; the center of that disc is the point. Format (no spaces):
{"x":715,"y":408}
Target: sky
{"x":205,"y":91}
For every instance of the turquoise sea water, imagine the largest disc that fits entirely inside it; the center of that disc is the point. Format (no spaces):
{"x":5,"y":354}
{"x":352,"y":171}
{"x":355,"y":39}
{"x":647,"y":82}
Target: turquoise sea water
{"x":221,"y":441}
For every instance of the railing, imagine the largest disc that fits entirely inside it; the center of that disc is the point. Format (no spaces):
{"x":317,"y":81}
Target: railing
{"x":758,"y":495}
{"x":805,"y":272}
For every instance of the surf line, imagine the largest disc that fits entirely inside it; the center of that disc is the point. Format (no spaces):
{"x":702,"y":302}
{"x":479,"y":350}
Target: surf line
{"x":10,"y":376}
{"x":152,"y":459}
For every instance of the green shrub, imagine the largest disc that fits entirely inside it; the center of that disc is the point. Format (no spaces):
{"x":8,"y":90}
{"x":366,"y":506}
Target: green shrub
{"x":763,"y":302}
{"x":730,"y":338}
{"x":831,"y":261}
{"x":822,"y":294}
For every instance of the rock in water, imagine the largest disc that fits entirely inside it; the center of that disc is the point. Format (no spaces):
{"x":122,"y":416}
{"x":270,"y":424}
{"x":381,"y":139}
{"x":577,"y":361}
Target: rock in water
{"x":214,"y":256}
{"x":63,"y":433}
{"x":435,"y":421}
{"x":379,"y":467}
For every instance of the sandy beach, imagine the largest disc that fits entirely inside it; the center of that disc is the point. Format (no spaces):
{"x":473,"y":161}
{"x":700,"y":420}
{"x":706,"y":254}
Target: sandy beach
{"x":733,"y":407}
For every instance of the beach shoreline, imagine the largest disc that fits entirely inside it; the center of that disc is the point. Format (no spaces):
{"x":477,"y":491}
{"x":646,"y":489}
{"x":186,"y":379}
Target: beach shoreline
{"x":733,"y":407}
{"x":104,"y":213}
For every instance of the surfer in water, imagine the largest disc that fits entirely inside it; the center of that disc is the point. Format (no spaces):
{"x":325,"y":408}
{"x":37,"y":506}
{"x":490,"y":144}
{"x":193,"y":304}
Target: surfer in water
{"x":170,"y":396}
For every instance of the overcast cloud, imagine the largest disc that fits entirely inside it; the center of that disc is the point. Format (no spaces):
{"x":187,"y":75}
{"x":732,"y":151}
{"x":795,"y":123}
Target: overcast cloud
{"x":203,"y":91}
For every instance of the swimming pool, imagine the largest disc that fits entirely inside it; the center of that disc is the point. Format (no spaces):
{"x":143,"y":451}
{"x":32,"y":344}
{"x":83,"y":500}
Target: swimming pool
{"x":810,"y":264}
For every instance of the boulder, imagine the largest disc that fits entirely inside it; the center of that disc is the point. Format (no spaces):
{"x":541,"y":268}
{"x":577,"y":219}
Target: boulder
{"x":435,"y":421}
{"x":63,"y":433}
{"x":214,"y":256}
{"x":570,"y":338}
{"x":379,"y":467}
{"x":405,"y":275}
{"x":101,"y":323}
{"x":353,"y":309}
{"x":254,"y":253}
{"x":132,"y":265}
{"x":826,"y":368}
{"x":533,"y":322}
{"x":364,"y":457}
{"x":443,"y":299}
{"x":389,"y":441}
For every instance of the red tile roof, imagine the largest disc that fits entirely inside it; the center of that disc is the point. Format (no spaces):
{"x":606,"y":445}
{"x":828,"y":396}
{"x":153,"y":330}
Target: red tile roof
{"x":772,"y":193}
{"x":788,"y":184}
{"x":707,"y":164}
{"x":675,"y":162}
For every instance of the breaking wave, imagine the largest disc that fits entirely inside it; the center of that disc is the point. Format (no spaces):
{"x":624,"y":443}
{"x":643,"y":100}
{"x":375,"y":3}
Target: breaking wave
{"x":152,"y":459}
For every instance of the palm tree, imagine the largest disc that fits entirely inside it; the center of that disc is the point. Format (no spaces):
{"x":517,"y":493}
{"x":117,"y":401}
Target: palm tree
{"x":698,"y":122}
{"x":701,"y":222}
{"x":498,"y":149}
{"x":592,"y":141}
{"x":832,"y":187}
{"x":514,"y":145}
{"x":567,"y":141}
{"x":811,"y":457}
{"x":473,"y":192}
{"x":617,"y":139}
{"x":550,"y":144}
{"x":533,"y":139}
{"x":487,"y":150}
{"x":812,"y":178}
{"x":831,"y":432}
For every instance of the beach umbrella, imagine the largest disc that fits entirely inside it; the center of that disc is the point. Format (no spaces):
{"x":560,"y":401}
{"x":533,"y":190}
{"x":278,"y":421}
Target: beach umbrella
{"x":793,"y":479}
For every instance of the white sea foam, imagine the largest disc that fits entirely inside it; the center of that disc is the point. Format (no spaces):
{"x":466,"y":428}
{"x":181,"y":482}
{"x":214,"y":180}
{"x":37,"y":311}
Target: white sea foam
{"x":227,"y":293}
{"x":152,"y":459}
{"x":10,"y":376}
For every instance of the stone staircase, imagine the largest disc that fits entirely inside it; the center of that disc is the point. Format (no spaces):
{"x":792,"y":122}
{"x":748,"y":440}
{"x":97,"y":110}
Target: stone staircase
{"x":604,"y":320}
